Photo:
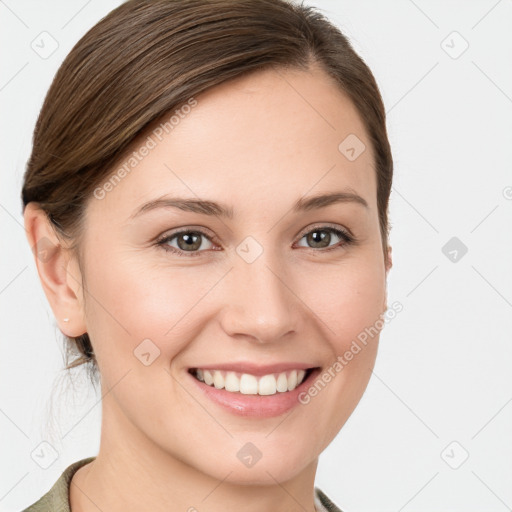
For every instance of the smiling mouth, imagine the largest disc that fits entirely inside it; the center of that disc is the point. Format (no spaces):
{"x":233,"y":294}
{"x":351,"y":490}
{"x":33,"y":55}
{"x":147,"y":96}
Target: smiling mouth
{"x":248,"y":384}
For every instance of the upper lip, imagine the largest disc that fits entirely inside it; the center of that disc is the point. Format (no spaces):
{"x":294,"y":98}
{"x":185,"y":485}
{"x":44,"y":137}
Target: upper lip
{"x":255,"y":369}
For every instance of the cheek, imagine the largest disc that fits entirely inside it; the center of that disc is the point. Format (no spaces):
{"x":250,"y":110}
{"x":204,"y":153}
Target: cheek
{"x":141,"y":317}
{"x":129,"y":301}
{"x":347,"y":297}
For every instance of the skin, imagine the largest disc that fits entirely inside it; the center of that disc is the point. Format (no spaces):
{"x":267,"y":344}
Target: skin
{"x":256,"y":144}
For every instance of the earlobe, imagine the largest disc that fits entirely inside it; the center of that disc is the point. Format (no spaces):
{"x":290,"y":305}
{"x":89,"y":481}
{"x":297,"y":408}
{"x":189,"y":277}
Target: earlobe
{"x":58,"y":271}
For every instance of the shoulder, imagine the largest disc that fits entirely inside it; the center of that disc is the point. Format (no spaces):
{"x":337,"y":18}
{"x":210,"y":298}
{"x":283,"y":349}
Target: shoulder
{"x":57,"y":498}
{"x":323,"y":503}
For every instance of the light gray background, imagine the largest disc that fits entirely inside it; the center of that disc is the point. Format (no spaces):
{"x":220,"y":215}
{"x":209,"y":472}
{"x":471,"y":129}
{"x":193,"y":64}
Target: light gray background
{"x":443,"y":372}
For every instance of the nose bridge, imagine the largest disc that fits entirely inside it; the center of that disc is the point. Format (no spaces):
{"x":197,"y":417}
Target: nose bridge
{"x":260,"y":303}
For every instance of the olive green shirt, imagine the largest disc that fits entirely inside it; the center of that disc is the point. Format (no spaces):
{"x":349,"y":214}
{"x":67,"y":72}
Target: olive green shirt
{"x":57,"y":498}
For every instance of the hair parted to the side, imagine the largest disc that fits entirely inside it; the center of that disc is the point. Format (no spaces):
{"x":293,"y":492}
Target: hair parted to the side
{"x":149,"y":57}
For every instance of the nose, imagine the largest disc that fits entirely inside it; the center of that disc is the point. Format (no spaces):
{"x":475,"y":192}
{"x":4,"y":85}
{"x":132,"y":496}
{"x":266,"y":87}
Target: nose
{"x":260,"y":303}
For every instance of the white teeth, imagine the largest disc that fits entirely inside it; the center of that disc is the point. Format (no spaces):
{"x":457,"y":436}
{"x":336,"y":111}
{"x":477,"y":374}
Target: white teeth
{"x":218,"y":380}
{"x":282,"y":383}
{"x":208,"y":377}
{"x":248,"y":384}
{"x":292,"y":380}
{"x":231,"y":382}
{"x":267,"y":385}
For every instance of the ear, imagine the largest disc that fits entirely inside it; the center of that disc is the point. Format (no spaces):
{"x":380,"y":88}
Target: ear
{"x":389,"y":261}
{"x":389,"y":264}
{"x":58,"y":271}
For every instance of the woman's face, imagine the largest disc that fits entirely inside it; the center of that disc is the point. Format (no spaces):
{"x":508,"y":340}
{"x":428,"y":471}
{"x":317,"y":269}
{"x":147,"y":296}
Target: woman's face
{"x":267,"y":284}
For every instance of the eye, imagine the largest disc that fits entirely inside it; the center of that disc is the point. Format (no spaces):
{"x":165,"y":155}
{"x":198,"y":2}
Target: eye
{"x":193,"y":242}
{"x":321,"y":237}
{"x":188,"y":241}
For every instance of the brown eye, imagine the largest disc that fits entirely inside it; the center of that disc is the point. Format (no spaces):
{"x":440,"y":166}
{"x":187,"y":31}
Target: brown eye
{"x":320,"y":238}
{"x":187,"y":241}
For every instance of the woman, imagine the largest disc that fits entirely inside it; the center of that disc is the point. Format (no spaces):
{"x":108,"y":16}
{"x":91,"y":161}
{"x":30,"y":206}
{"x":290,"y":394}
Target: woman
{"x":207,"y":195}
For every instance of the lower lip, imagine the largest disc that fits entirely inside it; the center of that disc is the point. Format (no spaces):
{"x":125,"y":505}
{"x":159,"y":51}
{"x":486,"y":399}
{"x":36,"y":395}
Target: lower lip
{"x":261,"y":406}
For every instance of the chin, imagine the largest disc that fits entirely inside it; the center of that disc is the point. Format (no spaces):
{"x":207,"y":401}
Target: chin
{"x":274,"y":465}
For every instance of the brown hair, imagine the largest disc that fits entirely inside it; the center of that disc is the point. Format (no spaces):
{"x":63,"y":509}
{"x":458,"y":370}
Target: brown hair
{"x":148,"y":57}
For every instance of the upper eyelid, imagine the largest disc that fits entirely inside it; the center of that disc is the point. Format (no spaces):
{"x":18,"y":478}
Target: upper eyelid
{"x":326,"y":225}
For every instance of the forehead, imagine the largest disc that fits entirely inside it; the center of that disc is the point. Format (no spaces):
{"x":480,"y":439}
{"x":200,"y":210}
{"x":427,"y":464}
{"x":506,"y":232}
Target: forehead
{"x":261,"y":137}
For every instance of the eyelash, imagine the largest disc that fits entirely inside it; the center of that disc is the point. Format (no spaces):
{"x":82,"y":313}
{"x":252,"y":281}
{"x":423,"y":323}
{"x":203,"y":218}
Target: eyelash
{"x":345,"y":237}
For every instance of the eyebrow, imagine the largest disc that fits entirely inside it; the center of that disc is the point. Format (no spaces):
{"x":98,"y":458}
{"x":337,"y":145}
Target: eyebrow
{"x":212,"y":208}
